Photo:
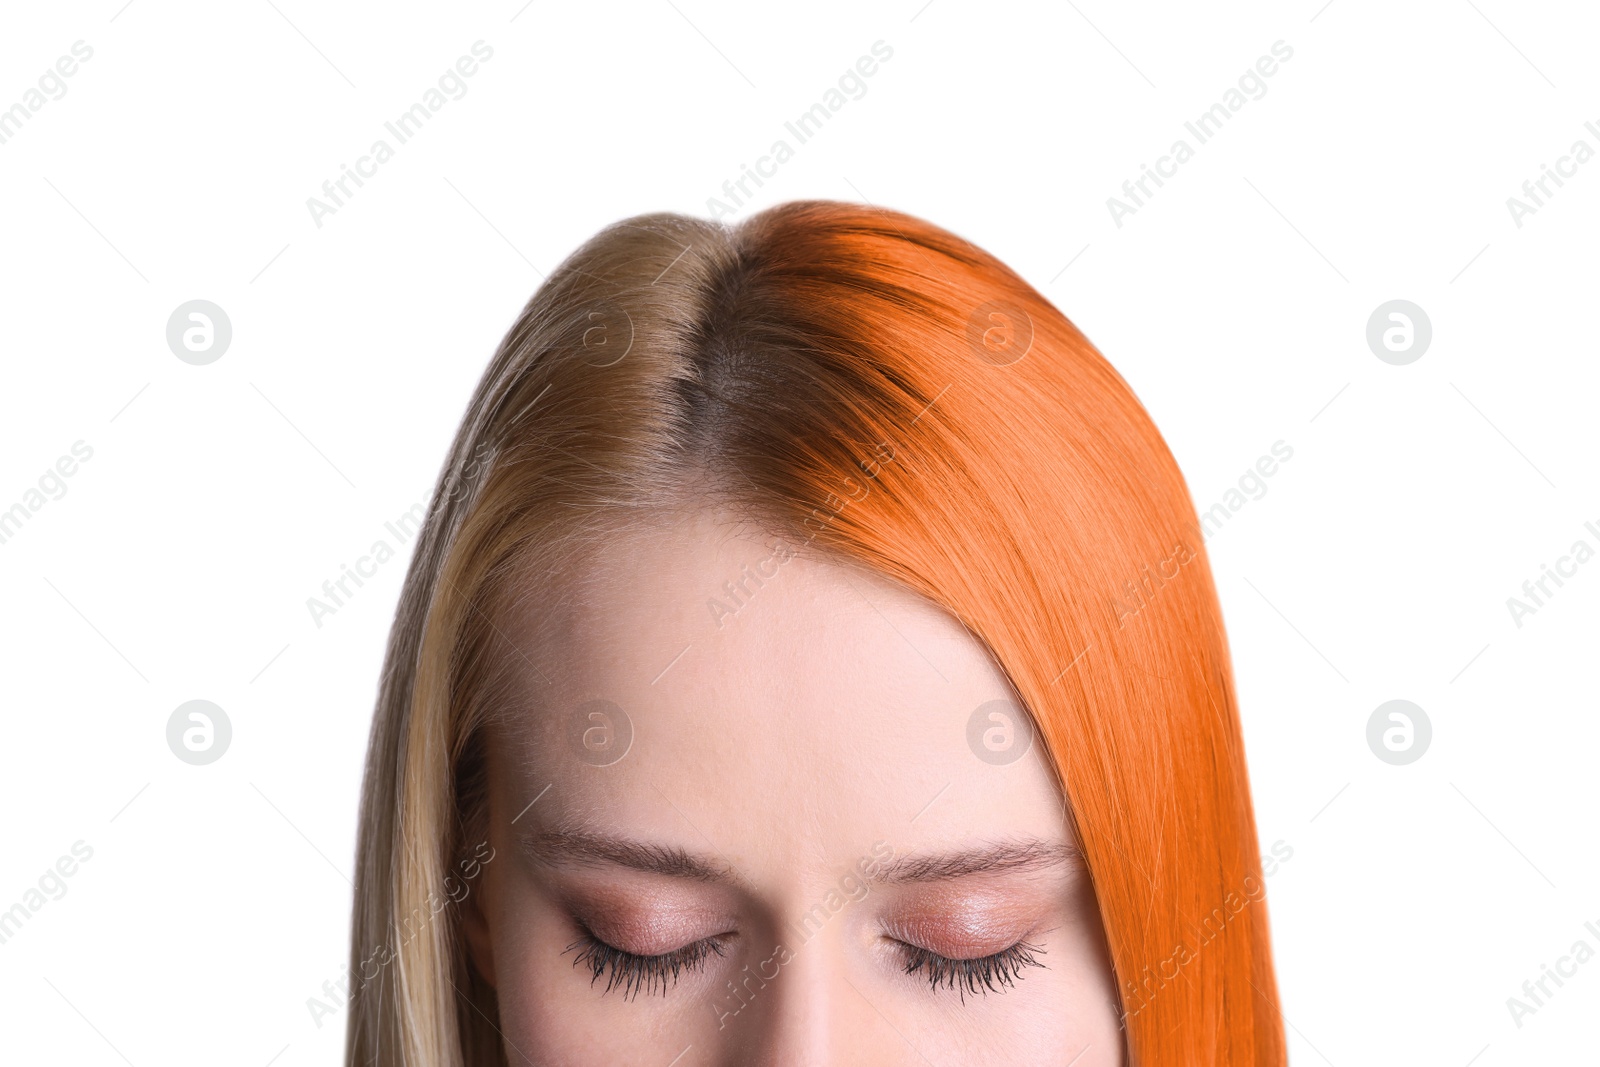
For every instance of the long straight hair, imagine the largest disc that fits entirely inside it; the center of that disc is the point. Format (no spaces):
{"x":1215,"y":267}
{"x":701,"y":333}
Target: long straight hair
{"x":884,"y":390}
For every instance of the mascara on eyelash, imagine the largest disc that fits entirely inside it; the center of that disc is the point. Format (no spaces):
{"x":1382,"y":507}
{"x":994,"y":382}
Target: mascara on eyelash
{"x":1004,"y":967}
{"x":634,"y":973}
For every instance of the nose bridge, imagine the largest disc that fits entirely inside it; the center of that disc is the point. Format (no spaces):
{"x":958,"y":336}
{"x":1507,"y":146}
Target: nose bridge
{"x":796,"y":1008}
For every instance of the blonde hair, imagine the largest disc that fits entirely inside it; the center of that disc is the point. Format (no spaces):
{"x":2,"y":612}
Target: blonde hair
{"x":888,"y":392}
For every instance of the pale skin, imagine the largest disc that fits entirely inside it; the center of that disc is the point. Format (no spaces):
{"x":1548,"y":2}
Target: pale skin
{"x":798,"y":813}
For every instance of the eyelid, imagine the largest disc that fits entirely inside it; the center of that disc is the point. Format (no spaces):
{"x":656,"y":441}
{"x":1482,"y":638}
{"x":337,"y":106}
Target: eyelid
{"x":645,"y":920}
{"x":634,"y":972}
{"x":977,"y":975}
{"x":967,"y":934}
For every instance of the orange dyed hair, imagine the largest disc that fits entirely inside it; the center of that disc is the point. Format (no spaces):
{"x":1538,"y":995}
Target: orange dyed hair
{"x":887,"y":391}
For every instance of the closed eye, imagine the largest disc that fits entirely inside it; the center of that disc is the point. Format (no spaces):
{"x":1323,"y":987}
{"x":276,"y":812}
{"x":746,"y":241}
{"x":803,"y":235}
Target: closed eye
{"x":633,"y":973}
{"x":979,"y":976}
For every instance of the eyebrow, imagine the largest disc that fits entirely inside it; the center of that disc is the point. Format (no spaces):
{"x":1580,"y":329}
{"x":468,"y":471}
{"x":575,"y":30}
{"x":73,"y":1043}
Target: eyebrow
{"x":1002,"y":857}
{"x":582,"y":848}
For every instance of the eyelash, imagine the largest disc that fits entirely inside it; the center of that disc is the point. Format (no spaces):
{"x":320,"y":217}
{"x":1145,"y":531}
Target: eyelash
{"x":634,"y":973}
{"x":978,"y":976}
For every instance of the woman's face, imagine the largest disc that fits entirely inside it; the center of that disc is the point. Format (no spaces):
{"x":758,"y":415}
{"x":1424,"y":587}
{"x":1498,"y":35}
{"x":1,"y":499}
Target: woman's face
{"x":744,"y":824}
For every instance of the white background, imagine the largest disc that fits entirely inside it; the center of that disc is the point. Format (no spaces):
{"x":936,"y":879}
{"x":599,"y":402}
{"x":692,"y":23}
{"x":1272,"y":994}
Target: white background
{"x":219,"y":498}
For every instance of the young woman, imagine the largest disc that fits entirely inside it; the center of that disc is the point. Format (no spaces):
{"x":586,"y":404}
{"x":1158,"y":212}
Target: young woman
{"x":810,"y":658}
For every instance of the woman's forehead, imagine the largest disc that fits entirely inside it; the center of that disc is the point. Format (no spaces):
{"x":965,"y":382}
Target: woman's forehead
{"x":715,"y":599}
{"x":770,"y":690}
